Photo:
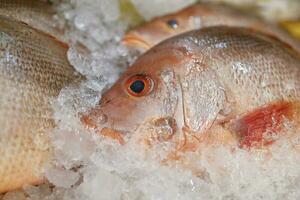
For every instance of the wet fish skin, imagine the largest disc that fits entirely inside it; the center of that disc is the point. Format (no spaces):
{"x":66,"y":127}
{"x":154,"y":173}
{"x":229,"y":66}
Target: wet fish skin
{"x":199,"y":16}
{"x":33,"y":70}
{"x":38,"y":14}
{"x":201,"y":80}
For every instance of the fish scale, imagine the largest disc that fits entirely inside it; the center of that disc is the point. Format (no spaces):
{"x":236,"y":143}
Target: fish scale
{"x":198,"y":16}
{"x":37,"y":13}
{"x":33,"y":70}
{"x":237,"y":87}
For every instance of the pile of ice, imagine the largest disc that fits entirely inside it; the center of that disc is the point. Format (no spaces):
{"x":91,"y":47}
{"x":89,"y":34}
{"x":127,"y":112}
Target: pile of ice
{"x":90,"y":167}
{"x":273,"y":10}
{"x":150,"y":9}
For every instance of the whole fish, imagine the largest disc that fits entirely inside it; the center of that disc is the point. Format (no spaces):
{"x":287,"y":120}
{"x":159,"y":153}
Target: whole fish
{"x":33,"y":70}
{"x":38,"y":14}
{"x":216,"y":86}
{"x":196,"y":17}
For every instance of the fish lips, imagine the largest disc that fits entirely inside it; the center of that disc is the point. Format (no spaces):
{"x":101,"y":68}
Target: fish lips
{"x":98,"y":121}
{"x":133,"y":40}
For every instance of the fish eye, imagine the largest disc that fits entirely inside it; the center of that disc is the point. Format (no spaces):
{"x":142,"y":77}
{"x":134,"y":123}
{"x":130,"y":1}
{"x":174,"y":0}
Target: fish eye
{"x":173,"y":23}
{"x":139,"y":85}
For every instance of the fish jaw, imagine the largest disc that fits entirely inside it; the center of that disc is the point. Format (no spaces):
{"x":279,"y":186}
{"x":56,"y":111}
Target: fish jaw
{"x":133,"y":40}
{"x":143,"y":38}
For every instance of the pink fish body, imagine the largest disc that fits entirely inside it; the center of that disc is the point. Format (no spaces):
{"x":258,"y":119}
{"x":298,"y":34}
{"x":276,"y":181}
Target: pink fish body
{"x":196,"y":17}
{"x":218,"y":85}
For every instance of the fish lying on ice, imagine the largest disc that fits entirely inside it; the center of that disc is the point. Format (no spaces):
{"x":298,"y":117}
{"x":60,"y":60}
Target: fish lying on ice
{"x":38,"y":14}
{"x":196,"y":17}
{"x":218,"y":85}
{"x":33,"y":70}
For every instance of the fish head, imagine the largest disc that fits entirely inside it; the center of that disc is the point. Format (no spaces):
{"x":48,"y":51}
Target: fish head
{"x":161,"y":28}
{"x":147,"y":93}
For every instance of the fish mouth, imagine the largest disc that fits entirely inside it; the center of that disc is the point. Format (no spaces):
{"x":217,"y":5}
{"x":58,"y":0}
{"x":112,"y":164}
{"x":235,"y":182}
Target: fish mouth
{"x":113,"y":134}
{"x":91,"y":121}
{"x":132,"y":40}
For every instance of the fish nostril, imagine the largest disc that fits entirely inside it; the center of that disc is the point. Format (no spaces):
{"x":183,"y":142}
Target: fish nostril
{"x":104,"y":101}
{"x":108,"y":101}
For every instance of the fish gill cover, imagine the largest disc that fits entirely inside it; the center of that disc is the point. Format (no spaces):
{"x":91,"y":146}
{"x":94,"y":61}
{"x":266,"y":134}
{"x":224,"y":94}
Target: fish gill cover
{"x":87,"y":166}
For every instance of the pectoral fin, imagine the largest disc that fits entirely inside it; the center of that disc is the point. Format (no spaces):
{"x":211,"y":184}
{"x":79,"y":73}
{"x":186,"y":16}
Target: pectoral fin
{"x":262,"y":126}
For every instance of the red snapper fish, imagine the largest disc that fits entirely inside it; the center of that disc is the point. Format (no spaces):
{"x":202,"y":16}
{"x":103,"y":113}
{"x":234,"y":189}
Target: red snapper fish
{"x":199,"y":16}
{"x":214,"y":86}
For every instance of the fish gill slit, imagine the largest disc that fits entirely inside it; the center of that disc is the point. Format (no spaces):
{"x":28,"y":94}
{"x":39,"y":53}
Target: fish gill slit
{"x":185,"y":126}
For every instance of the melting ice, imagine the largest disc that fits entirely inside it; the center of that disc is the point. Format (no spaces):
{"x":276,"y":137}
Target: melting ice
{"x":87,"y":166}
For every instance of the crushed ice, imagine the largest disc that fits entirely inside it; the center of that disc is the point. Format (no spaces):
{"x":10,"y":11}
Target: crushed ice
{"x":87,"y":166}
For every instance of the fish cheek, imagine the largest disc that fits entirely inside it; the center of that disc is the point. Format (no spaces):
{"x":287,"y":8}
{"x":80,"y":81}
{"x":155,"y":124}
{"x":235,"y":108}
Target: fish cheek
{"x":120,"y":114}
{"x":162,"y":125}
{"x":128,"y":113}
{"x":157,"y":104}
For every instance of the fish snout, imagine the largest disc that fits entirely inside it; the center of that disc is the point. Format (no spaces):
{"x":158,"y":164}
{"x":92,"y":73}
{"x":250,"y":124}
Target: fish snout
{"x":113,"y":134}
{"x":97,"y":120}
{"x":133,"y":39}
{"x":94,"y":119}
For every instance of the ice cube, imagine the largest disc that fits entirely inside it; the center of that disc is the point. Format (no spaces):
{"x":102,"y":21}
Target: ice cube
{"x":103,"y":185}
{"x":14,"y":195}
{"x":61,"y":177}
{"x":150,"y":9}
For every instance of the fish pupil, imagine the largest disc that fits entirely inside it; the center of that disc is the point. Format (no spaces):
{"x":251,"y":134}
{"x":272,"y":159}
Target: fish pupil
{"x":137,"y":86}
{"x":172,"y":23}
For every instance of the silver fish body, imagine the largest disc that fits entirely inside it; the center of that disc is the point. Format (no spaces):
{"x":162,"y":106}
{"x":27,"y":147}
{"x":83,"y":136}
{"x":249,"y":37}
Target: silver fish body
{"x":33,"y":70}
